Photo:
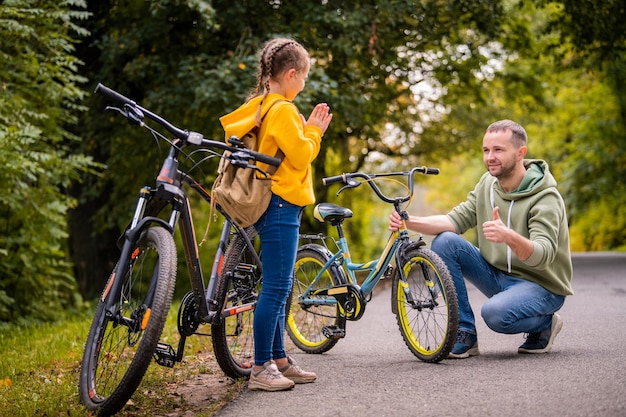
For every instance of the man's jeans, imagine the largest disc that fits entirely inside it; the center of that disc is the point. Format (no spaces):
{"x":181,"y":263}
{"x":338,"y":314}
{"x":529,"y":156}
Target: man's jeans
{"x":278,"y":229}
{"x":514,"y":305}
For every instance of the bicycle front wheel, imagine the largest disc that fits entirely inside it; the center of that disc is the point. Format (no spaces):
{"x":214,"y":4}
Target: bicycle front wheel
{"x":238,"y":289}
{"x":425,"y":304}
{"x":122,"y":339}
{"x":314,"y":322}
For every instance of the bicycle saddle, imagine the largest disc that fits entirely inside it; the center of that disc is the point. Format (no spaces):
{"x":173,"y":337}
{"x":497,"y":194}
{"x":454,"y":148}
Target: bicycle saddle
{"x":331,"y":213}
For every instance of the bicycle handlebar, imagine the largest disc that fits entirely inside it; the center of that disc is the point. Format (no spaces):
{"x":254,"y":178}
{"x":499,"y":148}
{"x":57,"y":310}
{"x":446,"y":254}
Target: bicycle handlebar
{"x":349,"y":179}
{"x":194,"y":138}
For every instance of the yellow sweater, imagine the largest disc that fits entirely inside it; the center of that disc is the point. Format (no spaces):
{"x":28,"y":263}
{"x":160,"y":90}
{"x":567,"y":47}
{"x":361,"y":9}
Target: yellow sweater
{"x":282,"y":128}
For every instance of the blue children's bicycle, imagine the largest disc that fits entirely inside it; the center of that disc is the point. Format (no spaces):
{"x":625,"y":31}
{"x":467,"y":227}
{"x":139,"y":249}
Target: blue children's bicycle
{"x":326,"y":294}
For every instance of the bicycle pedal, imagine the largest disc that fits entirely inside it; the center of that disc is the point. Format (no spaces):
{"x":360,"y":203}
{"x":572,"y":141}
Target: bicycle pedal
{"x":333,"y":332}
{"x":165,"y":355}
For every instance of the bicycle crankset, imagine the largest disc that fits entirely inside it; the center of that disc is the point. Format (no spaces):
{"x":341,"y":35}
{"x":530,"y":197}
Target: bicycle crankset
{"x":188,"y":315}
{"x":351,"y":300}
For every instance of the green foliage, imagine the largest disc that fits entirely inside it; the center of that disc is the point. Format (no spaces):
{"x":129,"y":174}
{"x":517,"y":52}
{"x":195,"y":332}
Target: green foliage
{"x":595,"y":27}
{"x":594,"y":231}
{"x":568,"y":91}
{"x":585,"y":138}
{"x":584,"y":133}
{"x":409,"y":83}
{"x":596,"y":143}
{"x":193,"y":62}
{"x":40,"y":97}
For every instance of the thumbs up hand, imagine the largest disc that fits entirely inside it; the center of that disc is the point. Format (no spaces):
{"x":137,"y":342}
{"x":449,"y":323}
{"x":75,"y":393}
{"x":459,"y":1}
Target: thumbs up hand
{"x":495,"y":230}
{"x":496,"y":215}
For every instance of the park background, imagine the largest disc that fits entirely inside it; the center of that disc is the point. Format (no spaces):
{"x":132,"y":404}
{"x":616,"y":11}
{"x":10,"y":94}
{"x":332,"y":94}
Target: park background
{"x":409,"y":83}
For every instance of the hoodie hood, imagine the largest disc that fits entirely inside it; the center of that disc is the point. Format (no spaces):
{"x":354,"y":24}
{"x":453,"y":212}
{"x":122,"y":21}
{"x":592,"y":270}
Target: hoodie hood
{"x":243,"y":119}
{"x":537,"y":179}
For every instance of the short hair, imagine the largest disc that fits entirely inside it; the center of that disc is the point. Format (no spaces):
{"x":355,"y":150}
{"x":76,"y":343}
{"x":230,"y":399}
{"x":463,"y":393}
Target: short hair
{"x":518,"y":137}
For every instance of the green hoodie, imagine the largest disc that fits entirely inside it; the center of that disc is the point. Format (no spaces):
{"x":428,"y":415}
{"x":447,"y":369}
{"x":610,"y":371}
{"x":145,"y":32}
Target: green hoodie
{"x":535,"y":210}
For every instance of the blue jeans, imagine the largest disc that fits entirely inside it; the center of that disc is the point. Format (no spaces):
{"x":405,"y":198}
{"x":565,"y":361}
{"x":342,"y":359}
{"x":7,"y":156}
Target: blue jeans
{"x":515,"y":305}
{"x":278,"y":229}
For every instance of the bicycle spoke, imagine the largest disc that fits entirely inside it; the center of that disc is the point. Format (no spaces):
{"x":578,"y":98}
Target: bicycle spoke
{"x":427,"y":312}
{"x":313,"y":321}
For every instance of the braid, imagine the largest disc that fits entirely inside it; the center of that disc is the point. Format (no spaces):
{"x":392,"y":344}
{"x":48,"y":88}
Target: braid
{"x":268,"y":63}
{"x":272,"y":62}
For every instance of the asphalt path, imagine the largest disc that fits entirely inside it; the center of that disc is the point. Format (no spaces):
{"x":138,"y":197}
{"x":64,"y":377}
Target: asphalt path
{"x":372,"y":373}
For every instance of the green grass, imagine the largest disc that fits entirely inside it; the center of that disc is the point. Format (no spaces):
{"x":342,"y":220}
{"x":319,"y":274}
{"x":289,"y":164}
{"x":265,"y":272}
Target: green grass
{"x":40,"y":365}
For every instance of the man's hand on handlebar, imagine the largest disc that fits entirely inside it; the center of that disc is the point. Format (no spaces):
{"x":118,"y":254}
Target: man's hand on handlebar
{"x":395,"y":222}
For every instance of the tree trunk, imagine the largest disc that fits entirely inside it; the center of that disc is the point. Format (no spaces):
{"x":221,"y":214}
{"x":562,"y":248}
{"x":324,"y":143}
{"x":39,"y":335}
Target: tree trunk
{"x":93,"y":253}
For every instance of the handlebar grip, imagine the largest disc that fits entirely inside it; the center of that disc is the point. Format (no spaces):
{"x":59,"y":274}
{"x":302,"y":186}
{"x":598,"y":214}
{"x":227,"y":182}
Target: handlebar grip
{"x":266,"y":159}
{"x":113,"y":95}
{"x":334,"y":179}
{"x":432,"y":171}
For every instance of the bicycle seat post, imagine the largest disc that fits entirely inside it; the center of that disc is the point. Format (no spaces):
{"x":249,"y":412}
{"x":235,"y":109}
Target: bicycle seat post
{"x":339,"y":227}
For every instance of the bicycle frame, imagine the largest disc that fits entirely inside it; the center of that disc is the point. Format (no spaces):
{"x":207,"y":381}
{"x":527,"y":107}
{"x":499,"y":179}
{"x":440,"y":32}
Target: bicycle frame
{"x":170,"y":191}
{"x":205,"y":295}
{"x":377,"y":268}
{"x":152,"y":202}
{"x":326,"y":294}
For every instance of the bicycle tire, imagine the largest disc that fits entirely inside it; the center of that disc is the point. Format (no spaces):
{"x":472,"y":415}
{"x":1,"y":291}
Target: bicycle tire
{"x":428,"y":330}
{"x":307,"y":324}
{"x":232,"y":336}
{"x":117,"y":355}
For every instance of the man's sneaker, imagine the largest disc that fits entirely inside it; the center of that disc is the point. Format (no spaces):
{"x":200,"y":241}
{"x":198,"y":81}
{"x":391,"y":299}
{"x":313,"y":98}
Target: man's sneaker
{"x":541,"y":342}
{"x":269,"y":379}
{"x":466,"y":345}
{"x":296,"y":374}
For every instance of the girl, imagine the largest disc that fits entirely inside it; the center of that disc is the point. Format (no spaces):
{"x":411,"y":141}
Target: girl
{"x":283,"y":69}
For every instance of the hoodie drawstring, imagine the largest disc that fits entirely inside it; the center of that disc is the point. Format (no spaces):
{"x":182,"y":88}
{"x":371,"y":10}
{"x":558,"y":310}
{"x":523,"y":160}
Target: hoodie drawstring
{"x":508,"y":222}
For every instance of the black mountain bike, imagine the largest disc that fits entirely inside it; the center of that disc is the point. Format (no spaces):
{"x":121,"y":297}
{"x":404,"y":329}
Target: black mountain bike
{"x":130,"y":316}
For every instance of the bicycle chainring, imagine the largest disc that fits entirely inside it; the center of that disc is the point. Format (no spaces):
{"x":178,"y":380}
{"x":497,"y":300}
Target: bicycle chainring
{"x":352,"y":303}
{"x":188,"y":321}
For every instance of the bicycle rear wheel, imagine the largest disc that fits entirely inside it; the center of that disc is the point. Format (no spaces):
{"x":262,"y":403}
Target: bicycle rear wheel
{"x":238,"y":289}
{"x":425,"y":304}
{"x":122,"y":341}
{"x":314,"y":323}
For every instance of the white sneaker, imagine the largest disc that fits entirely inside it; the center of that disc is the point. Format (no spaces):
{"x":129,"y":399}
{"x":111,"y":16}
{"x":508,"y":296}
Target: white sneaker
{"x":296,"y":374}
{"x":269,"y":379}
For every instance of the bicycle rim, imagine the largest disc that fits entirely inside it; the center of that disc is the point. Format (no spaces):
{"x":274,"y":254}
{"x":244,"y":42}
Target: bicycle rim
{"x":120,"y":346}
{"x":427,"y":308}
{"x":237,"y":291}
{"x":311,"y":319}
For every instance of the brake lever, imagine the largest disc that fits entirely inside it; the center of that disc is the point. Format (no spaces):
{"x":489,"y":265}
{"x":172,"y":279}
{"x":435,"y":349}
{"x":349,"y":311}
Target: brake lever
{"x":257,"y":169}
{"x":117,"y":109}
{"x":240,"y":159}
{"x":133,"y":114}
{"x":351,"y":183}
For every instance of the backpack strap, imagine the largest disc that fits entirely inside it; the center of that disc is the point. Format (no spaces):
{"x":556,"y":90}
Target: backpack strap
{"x":271,"y":169}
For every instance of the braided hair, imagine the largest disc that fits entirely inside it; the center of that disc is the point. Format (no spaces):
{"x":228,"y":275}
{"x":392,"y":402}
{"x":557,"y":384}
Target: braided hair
{"x":278,"y":55}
